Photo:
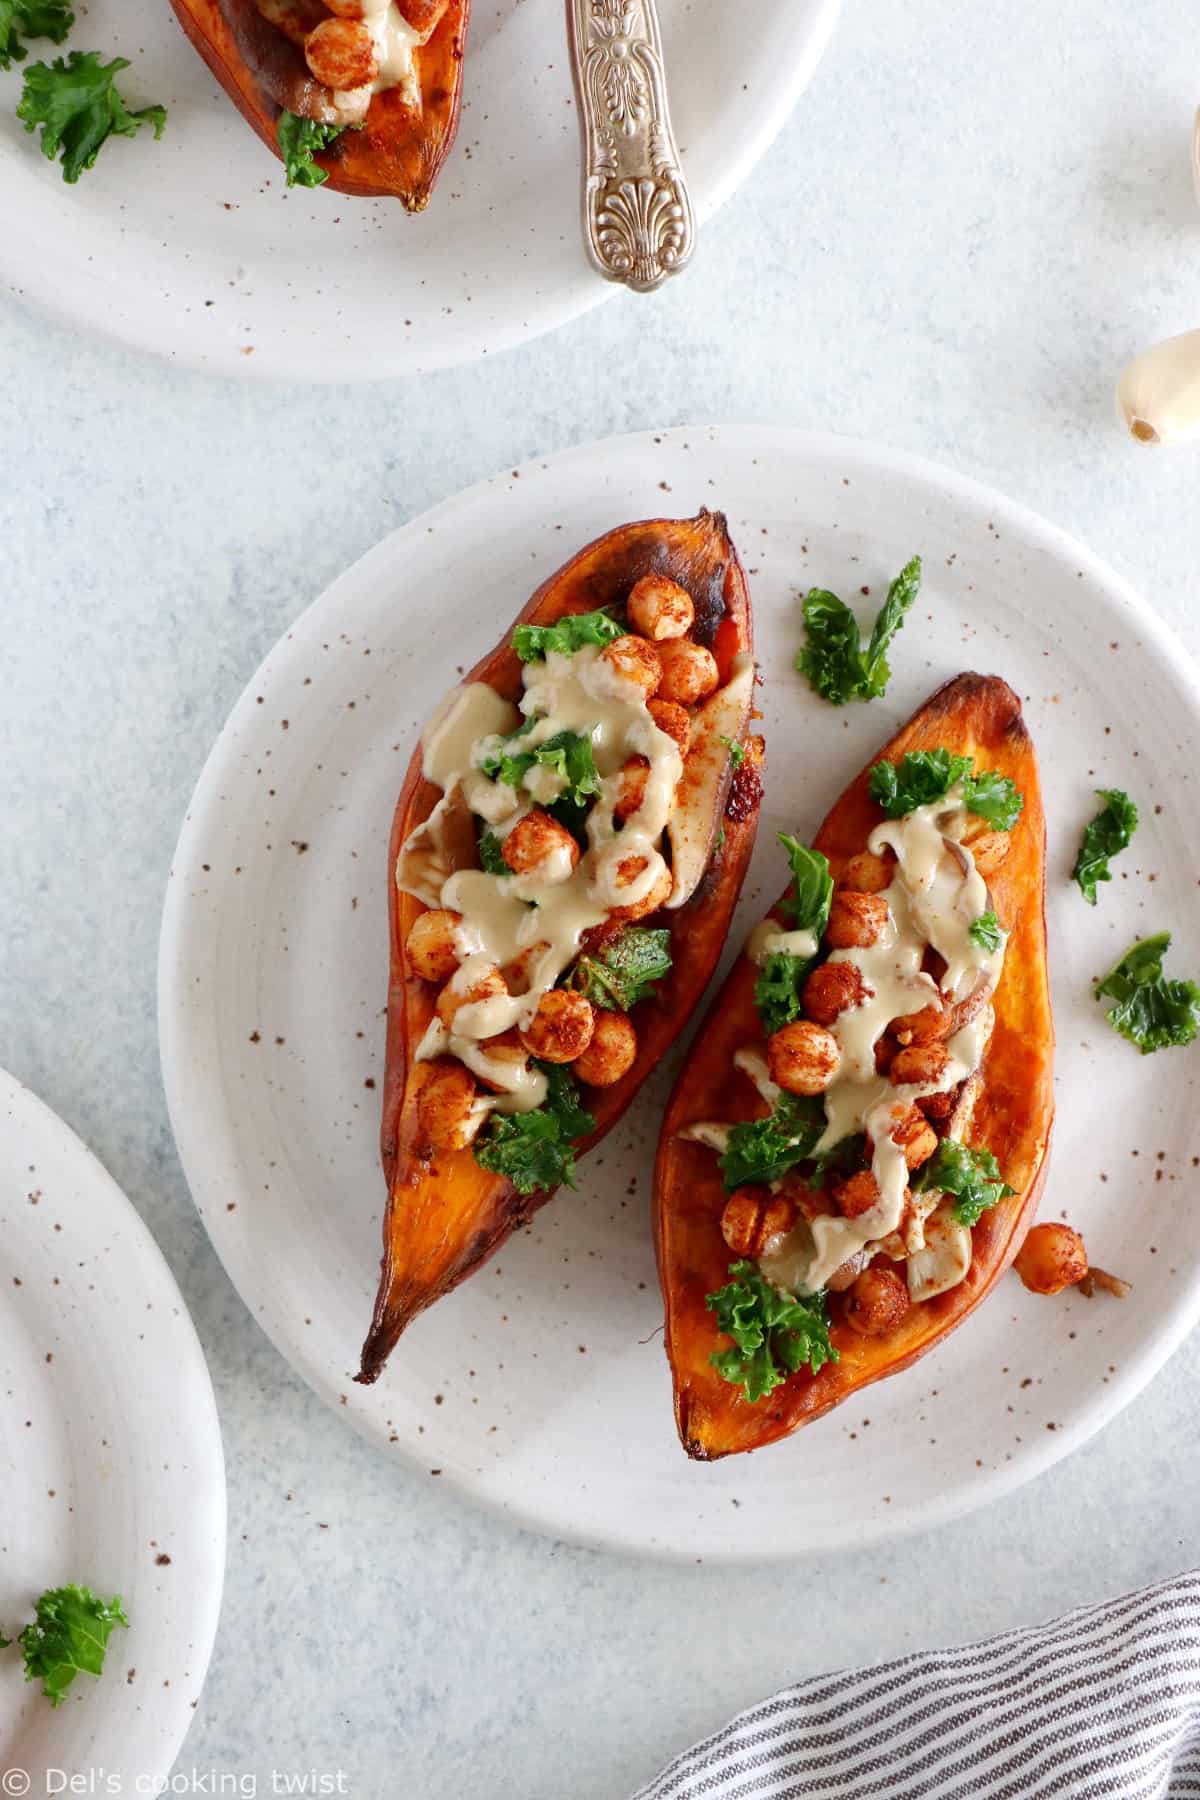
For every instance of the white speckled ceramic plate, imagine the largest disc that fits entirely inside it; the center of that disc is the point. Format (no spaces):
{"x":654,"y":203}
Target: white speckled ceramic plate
{"x":540,"y":1386}
{"x":192,"y":247}
{"x":110,"y":1464}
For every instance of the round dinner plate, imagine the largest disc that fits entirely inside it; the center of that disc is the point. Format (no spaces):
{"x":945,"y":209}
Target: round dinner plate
{"x":194,"y":248}
{"x":540,"y":1387}
{"x":110,"y":1465}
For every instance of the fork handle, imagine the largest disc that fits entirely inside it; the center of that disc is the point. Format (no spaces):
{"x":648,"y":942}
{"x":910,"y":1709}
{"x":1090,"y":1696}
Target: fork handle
{"x":638,"y":224}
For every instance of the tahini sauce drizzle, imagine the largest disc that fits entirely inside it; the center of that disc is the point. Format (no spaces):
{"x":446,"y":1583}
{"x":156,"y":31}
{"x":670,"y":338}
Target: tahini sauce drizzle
{"x":542,"y":915}
{"x":935,"y":894}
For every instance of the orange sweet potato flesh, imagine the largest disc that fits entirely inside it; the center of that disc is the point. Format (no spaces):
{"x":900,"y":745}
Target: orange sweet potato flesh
{"x":445,"y":1215}
{"x":977,"y":715}
{"x":401,"y":147}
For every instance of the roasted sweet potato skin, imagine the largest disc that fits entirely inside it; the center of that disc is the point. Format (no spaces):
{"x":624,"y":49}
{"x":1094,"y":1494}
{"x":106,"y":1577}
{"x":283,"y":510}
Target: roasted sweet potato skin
{"x":978,"y":715}
{"x":401,"y":147}
{"x":446,"y":1215}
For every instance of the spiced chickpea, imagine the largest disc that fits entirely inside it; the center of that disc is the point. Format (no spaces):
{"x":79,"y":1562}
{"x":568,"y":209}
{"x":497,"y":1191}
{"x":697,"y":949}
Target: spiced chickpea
{"x":1051,"y":1258}
{"x":919,"y":1064}
{"x":856,"y":920}
{"x":432,"y":944}
{"x":922,"y":1027}
{"x":876,"y":1302}
{"x":867,"y":873}
{"x":939,"y":1106}
{"x":660,"y":609}
{"x":635,"y":660}
{"x":341,"y":53}
{"x":913,"y":1134}
{"x":538,"y":845}
{"x":752,"y":1217}
{"x":632,"y":791}
{"x":689,"y":672}
{"x":611,"y":1052}
{"x":561,"y":1028}
{"x":802,"y":1057}
{"x":672,"y":718}
{"x":857,"y":1194}
{"x":445,"y":1105}
{"x":628,"y":871}
{"x":831,"y":990}
{"x":451,"y":998}
{"x":885,"y":1053}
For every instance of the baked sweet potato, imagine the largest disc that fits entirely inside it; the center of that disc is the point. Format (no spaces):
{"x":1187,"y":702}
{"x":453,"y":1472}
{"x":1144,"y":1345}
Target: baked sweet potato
{"x":445,"y":1213}
{"x":403,"y":141}
{"x":974,"y":715}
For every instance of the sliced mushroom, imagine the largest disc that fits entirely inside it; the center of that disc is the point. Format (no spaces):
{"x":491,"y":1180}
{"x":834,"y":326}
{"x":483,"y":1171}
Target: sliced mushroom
{"x":704,"y":785}
{"x":945,"y":1259}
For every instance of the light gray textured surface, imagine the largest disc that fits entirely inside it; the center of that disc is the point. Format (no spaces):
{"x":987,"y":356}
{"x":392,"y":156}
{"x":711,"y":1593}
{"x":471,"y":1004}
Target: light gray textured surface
{"x":958,"y":240}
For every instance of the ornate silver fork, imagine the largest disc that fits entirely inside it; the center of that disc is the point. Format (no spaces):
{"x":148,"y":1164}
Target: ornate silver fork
{"x":638,"y":223}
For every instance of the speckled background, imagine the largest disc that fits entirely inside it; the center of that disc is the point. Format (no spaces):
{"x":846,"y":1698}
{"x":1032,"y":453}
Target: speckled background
{"x":953,"y":247}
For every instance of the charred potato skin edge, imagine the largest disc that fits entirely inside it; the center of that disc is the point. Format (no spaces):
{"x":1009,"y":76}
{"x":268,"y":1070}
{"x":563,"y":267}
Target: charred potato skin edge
{"x":1013,"y":1116}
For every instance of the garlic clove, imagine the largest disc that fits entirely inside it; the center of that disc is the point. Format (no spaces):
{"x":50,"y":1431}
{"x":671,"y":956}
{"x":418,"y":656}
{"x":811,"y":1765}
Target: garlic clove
{"x":1158,"y":395}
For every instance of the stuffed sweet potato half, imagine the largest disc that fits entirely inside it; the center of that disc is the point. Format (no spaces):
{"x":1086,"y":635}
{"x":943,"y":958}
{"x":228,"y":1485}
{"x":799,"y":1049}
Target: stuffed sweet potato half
{"x":364,"y":94}
{"x":566,"y":854}
{"x":857,"y":1142}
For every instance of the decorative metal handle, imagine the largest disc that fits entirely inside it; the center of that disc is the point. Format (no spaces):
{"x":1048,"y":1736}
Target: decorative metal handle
{"x":637,"y":216}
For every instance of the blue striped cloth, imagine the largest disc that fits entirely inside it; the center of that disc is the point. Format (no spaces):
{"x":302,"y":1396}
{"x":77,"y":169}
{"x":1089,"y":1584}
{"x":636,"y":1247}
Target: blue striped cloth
{"x":1103,"y":1702}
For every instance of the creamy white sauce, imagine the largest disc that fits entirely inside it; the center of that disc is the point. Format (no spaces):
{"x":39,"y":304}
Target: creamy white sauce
{"x":539,"y":917}
{"x":394,"y":41}
{"x":935,"y":894}
{"x":770,"y":939}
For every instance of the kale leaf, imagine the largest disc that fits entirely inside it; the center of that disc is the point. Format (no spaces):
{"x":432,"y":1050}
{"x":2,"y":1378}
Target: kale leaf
{"x":70,"y":1632}
{"x":535,"y":1150}
{"x":571,"y":633}
{"x":972,"y":1176}
{"x":774,"y":1334}
{"x":625,"y":968}
{"x":761,"y":1150}
{"x":1108,"y":833}
{"x":1153,"y":1011}
{"x":74,"y":101}
{"x":833,"y":659}
{"x":36,"y":19}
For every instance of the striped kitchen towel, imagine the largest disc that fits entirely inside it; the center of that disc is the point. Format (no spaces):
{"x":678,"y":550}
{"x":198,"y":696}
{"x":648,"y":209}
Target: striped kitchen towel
{"x":1103,"y":1702}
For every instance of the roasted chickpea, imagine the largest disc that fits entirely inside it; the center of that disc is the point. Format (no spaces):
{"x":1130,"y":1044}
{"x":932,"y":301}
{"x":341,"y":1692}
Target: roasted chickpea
{"x":674,"y":720}
{"x":867,"y":873}
{"x":752,"y":1217}
{"x":918,"y":1064}
{"x":628,"y":870}
{"x":939,"y":1106}
{"x":855,"y":920}
{"x":803,"y":1057}
{"x":341,"y":53}
{"x":561,"y":1028}
{"x":451,"y":998}
{"x":877,"y":1302}
{"x":518,"y":973}
{"x":660,"y":609}
{"x":809,"y":1202}
{"x":1051,"y":1258}
{"x":923,"y":1027}
{"x":689,"y":672}
{"x":445,"y":1102}
{"x":989,"y":850}
{"x":913,"y":1133}
{"x":295,"y":18}
{"x":857,"y":1194}
{"x":433,"y":945}
{"x":634,"y":660}
{"x":633,"y":787}
{"x":885,"y":1053}
{"x":611,"y":1052}
{"x":538,"y":845}
{"x":833,"y":989}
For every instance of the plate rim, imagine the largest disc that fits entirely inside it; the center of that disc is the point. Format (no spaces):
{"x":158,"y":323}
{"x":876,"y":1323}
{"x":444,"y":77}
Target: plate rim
{"x":199,"y":1632}
{"x":45,"y":296}
{"x":1106,"y":1402}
